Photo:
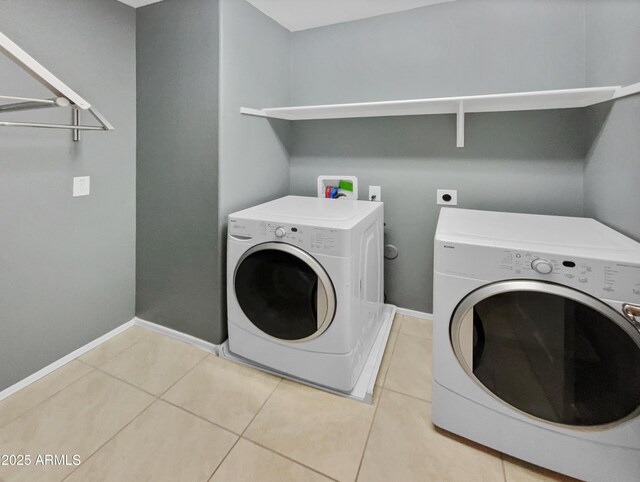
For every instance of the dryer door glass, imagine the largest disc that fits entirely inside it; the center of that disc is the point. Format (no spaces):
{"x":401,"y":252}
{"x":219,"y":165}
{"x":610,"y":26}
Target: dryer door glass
{"x":284,"y":292}
{"x":550,"y":351}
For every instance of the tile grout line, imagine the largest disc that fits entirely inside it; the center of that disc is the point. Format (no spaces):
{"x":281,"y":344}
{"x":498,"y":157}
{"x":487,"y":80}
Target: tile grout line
{"x":272,"y":450}
{"x":384,"y":384}
{"x":297,"y":462}
{"x":375,"y":413}
{"x":420,"y":337}
{"x":156,"y":399}
{"x":109,"y":440}
{"x":240,"y":436}
{"x":198,"y":416}
{"x":416,"y":336}
{"x":223,"y":459}
{"x":100,"y":368}
{"x":120,"y":352}
{"x":142,"y":389}
{"x":81,"y":361}
{"x":373,"y":419}
{"x":127,"y":382}
{"x":406,"y":395}
{"x":504,"y":469}
{"x":393,"y":352}
{"x":50,"y":396}
{"x":245,"y":429}
{"x":400,"y":332}
{"x":262,"y":406}
{"x":183,"y":376}
{"x":93,"y":370}
{"x":268,"y":449}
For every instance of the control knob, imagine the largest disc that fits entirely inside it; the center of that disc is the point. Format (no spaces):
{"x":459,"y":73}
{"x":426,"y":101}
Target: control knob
{"x":280,"y":232}
{"x":542,"y":266}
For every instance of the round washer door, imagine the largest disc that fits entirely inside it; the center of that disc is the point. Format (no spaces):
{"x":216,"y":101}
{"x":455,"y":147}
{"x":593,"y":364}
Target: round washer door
{"x":284,"y":292}
{"x":551,"y":352}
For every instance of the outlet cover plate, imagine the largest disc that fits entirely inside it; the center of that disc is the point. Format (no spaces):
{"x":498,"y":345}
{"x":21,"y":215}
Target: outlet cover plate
{"x":81,"y":186}
{"x":453,"y":193}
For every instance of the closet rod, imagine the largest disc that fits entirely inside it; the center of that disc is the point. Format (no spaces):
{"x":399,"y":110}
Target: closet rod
{"x":64,"y":95}
{"x":28,"y":104}
{"x":51,"y":126}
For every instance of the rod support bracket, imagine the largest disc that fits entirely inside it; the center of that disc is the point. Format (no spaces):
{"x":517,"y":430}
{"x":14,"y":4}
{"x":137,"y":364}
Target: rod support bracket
{"x":75,"y":120}
{"x":460,"y":125}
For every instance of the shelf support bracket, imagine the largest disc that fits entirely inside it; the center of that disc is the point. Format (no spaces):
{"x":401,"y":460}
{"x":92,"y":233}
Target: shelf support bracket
{"x":460,"y":125}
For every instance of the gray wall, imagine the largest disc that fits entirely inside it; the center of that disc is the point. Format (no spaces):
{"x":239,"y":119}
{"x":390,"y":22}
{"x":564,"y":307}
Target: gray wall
{"x":254,"y":72}
{"x":612,"y":171}
{"x":177,"y":188}
{"x":197,"y":58}
{"x":526,"y":162}
{"x":465,"y":47}
{"x":66,"y":264}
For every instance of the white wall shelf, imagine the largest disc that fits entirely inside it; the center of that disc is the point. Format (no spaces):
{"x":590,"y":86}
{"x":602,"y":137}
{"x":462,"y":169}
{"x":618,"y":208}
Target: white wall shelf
{"x":521,"y":101}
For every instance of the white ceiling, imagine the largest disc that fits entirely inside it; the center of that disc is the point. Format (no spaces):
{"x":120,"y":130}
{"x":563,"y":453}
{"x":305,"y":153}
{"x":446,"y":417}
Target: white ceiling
{"x":303,"y":14}
{"x":139,"y":3}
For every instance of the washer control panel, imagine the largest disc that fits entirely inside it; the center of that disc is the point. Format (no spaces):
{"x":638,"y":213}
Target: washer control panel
{"x":310,"y":238}
{"x":609,"y":280}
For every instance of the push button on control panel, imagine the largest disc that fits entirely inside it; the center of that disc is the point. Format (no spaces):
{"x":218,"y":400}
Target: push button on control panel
{"x":280,"y":232}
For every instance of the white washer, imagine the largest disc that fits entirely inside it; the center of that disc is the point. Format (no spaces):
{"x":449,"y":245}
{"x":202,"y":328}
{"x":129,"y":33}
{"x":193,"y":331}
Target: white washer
{"x":305,"y":288}
{"x":536,"y":341}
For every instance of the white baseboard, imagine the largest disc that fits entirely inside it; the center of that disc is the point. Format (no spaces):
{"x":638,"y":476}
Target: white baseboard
{"x":192,"y":340}
{"x":64,"y":360}
{"x":177,"y":335}
{"x":415,"y":314}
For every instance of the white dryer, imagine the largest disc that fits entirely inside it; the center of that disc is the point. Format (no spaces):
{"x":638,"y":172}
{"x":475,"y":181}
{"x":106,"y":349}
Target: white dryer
{"x":536,"y":340}
{"x":305,"y":288}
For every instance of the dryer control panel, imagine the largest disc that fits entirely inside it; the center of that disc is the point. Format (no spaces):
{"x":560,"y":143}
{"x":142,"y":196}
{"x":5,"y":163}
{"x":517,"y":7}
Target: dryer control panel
{"x":610,"y":280}
{"x":334,"y":242}
{"x":601,"y":279}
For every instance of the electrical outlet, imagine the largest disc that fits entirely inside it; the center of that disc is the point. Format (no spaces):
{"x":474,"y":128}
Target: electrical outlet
{"x":81,"y":186}
{"x":448,"y":197}
{"x":375,"y":193}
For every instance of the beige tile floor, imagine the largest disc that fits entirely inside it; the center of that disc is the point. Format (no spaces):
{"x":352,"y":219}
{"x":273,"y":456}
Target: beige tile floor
{"x":144,"y":407}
